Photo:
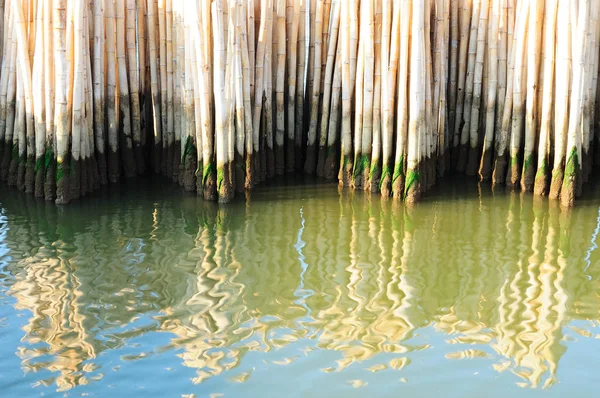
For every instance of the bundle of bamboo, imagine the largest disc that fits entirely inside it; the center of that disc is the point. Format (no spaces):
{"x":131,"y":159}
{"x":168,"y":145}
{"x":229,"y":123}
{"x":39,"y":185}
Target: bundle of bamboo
{"x":220,"y":95}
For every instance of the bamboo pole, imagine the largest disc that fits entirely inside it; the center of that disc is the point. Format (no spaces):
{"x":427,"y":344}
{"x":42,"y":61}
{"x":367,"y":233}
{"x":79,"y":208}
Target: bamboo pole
{"x":61,"y":117}
{"x":279,"y":90}
{"x":469,"y":87}
{"x":292,"y":66}
{"x":312,"y":145}
{"x":473,"y":156}
{"x":299,"y":136}
{"x":417,"y":127}
{"x":368,"y":96}
{"x":326,"y":103}
{"x":543,"y":164}
{"x":125,"y":109}
{"x":572,"y":171}
{"x":375,"y":169}
{"x":399,"y":175}
{"x":346,"y":134}
{"x":533,"y":65}
{"x":518,"y":102}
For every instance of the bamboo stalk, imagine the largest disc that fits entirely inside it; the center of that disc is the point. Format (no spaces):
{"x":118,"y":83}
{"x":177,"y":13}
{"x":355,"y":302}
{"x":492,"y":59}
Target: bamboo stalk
{"x":375,"y":169}
{"x":279,"y":90}
{"x":311,"y":146}
{"x":533,"y":66}
{"x":61,"y":116}
{"x":473,"y":157}
{"x":572,"y":171}
{"x":125,"y":109}
{"x":417,"y":125}
{"x":513,"y":176}
{"x":543,"y":164}
{"x":399,"y":175}
{"x":327,"y":93}
{"x":347,"y":84}
{"x":299,"y":136}
{"x":469,"y":88}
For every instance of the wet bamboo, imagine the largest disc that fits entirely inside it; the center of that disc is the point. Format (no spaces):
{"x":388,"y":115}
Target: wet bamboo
{"x":99,"y":89}
{"x":49,"y":81}
{"x":345,"y":172}
{"x":38,"y":87}
{"x":279,"y":89}
{"x":299,"y":136}
{"x":266,"y":158}
{"x":162,"y":57}
{"x":473,"y":157}
{"x":375,"y":167}
{"x":518,"y":102}
{"x":326,"y":105}
{"x":77,"y":118}
{"x":469,"y":86}
{"x":502,"y":137}
{"x":207,"y":184}
{"x":497,"y":85}
{"x":238,"y":81}
{"x":358,"y":116}
{"x":533,"y":68}
{"x":389,"y":54}
{"x":247,"y":98}
{"x":368,"y":96}
{"x":333,"y":130}
{"x":25,"y":71}
{"x":464,"y":18}
{"x":315,"y":85}
{"x":543,"y":164}
{"x":221,"y":138}
{"x":134,"y":86}
{"x":125,"y":120}
{"x":9,"y":53}
{"x":399,"y":175}
{"x":61,"y":117}
{"x":417,"y":125}
{"x":292,"y":66}
{"x":572,"y":171}
{"x":453,"y":70}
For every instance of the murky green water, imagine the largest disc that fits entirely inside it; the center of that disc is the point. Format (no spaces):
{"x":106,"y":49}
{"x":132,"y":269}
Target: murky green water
{"x":299,"y":292}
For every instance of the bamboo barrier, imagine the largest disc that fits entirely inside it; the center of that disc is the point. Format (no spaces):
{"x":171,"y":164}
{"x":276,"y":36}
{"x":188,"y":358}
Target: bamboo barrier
{"x":222,"y":95}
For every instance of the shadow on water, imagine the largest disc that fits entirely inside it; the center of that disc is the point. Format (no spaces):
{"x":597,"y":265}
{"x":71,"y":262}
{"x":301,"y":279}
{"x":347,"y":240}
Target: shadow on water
{"x":499,"y":275}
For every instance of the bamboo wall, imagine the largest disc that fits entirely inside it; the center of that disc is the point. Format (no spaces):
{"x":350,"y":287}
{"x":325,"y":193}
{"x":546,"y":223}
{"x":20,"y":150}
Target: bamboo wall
{"x":221,"y":95}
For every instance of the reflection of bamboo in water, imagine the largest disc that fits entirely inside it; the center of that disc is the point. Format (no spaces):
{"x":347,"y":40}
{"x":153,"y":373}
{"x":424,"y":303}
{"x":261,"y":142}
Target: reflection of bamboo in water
{"x":221,"y":295}
{"x":52,"y":293}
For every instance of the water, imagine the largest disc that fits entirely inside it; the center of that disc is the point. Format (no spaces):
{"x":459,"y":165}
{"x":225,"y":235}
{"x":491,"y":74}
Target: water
{"x":301,"y":291}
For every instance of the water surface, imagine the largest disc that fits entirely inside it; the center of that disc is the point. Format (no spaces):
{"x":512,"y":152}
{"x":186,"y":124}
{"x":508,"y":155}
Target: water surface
{"x":300,"y":291}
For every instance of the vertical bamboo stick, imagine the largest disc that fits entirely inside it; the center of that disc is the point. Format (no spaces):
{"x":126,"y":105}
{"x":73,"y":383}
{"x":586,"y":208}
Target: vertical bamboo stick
{"x":327,"y":92}
{"x":468,"y":101}
{"x":399,"y":175}
{"x":473,"y":157}
{"x":375,"y":169}
{"x":333,"y":131}
{"x":125,"y":120}
{"x":290,"y":150}
{"x":346,"y":134}
{"x":61,"y":116}
{"x":299,"y":137}
{"x":368,"y":102}
{"x":543,"y":164}
{"x":513,"y":176}
{"x":572,"y":171}
{"x":315,"y":73}
{"x":533,"y":69}
{"x":280,"y":88}
{"x":417,"y":105}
